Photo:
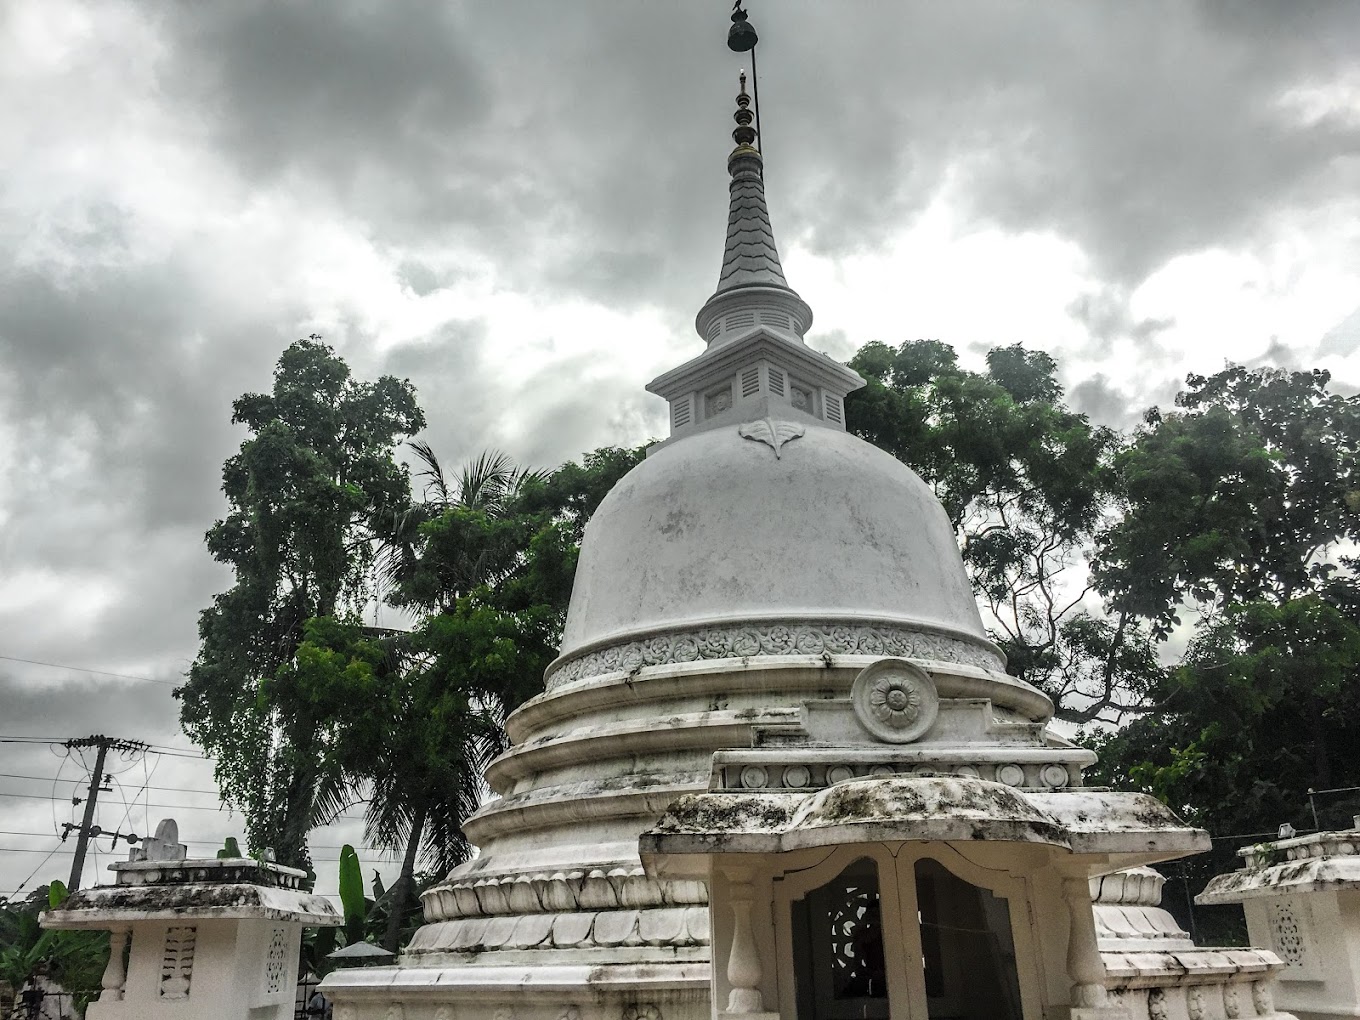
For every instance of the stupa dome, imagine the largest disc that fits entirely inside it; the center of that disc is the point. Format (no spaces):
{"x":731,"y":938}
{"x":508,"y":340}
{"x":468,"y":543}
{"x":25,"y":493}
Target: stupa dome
{"x":716,"y":531}
{"x":761,"y":527}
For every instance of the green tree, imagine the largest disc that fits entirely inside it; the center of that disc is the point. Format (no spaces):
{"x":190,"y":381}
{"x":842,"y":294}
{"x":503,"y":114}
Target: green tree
{"x":1026,"y":482}
{"x":1244,"y":494}
{"x":1241,"y":509}
{"x":73,"y":960}
{"x":307,"y":494}
{"x":486,"y":560}
{"x":440,"y":691}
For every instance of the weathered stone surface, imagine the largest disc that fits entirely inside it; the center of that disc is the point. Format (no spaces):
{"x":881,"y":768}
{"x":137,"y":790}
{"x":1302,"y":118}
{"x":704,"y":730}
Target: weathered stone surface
{"x":713,"y":534}
{"x":91,"y":908}
{"x":893,"y":807}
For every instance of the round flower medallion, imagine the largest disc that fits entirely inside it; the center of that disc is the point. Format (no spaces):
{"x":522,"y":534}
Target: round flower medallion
{"x":895,"y":700}
{"x":839,"y":773}
{"x":754,"y":777}
{"x":1054,"y":776}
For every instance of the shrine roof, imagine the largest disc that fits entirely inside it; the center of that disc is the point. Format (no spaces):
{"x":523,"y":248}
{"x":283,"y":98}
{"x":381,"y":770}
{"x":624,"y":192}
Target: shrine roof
{"x":944,"y":808}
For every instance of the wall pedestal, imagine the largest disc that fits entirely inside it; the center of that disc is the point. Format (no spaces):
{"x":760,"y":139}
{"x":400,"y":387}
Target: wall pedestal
{"x":209,"y":939}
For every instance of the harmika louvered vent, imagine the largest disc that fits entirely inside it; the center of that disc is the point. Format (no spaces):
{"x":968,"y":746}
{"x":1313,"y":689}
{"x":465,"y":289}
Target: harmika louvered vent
{"x":750,"y":380}
{"x":776,"y":381}
{"x":740,"y":320}
{"x":681,"y":411}
{"x":714,"y":329}
{"x":778,"y":319}
{"x":833,"y":409}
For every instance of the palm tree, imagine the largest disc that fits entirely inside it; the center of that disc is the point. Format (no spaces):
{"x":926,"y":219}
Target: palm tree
{"x":443,"y":556}
{"x":488,"y":485}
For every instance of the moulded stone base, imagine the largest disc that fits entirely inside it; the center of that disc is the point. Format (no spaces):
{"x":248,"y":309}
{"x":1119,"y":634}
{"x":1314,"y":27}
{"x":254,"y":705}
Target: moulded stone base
{"x":542,"y":992}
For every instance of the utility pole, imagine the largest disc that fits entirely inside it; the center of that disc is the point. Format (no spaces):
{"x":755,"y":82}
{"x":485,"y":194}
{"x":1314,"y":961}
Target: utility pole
{"x":97,"y":779}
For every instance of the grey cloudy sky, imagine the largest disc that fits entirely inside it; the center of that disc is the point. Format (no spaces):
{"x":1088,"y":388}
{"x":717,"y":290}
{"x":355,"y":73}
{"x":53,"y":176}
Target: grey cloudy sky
{"x":520,"y":206}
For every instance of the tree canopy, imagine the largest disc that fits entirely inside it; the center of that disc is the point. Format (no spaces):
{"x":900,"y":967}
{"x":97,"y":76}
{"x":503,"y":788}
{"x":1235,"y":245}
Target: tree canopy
{"x":1194,"y":581}
{"x":305,"y":497}
{"x":310,"y":712}
{"x":1238,"y":537}
{"x":1027,"y":483}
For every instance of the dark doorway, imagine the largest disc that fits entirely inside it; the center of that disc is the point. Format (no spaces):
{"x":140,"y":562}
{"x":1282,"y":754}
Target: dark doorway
{"x":967,"y":949}
{"x":838,"y":943}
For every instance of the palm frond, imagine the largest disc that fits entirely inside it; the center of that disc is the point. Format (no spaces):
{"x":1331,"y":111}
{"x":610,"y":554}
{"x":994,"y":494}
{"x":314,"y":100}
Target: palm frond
{"x":436,"y":482}
{"x":482,"y":482}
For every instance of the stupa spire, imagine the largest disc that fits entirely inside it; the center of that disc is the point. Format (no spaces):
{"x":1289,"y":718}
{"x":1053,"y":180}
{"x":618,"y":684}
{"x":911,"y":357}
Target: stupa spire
{"x":751,"y":276}
{"x":750,"y":255}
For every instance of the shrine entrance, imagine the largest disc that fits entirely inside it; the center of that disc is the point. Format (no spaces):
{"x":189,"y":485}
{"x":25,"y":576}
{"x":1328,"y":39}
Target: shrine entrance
{"x":882,"y":933}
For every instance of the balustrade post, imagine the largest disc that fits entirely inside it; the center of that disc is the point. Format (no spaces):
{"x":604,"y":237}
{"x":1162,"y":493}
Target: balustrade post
{"x":743,"y":960}
{"x":115,"y":975}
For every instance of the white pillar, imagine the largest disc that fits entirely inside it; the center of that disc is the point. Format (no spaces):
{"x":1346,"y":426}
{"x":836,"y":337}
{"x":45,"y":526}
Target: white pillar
{"x":114,"y":976}
{"x":1083,"y":954}
{"x":743,"y":961}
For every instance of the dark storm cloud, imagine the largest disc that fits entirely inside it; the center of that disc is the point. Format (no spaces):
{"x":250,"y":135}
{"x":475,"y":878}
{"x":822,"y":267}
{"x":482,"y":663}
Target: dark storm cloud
{"x":1138,"y":130}
{"x":1105,"y":316}
{"x":330,"y":89}
{"x":578,"y":150}
{"x":1107,"y":404}
{"x":132,"y":364}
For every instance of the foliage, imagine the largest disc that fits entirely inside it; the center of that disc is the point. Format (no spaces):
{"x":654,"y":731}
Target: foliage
{"x":487,"y":574}
{"x":72,"y":960}
{"x":231,"y":849}
{"x":1026,"y":483}
{"x":352,"y":894}
{"x":1263,"y":707}
{"x":308,"y":711}
{"x":304,"y":493}
{"x":571,"y":494}
{"x":1240,"y":511}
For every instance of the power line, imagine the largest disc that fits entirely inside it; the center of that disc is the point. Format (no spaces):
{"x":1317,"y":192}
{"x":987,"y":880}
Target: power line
{"x":40,"y":796}
{"x":146,"y":781}
{"x":87,"y":829}
{"x":58,"y":779}
{"x":83,"y":669}
{"x":173,"y":752}
{"x":171,"y":807}
{"x":216,"y":843}
{"x":67,"y":853}
{"x":219,"y":809}
{"x":180,"y":752}
{"x":50,"y":854}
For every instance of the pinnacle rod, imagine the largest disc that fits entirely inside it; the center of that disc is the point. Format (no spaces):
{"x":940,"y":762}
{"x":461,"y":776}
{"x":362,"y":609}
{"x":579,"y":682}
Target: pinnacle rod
{"x":755,"y":96}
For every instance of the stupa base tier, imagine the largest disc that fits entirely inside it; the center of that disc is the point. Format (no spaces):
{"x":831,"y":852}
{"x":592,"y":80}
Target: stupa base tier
{"x":674,"y":990}
{"x":655,"y":930}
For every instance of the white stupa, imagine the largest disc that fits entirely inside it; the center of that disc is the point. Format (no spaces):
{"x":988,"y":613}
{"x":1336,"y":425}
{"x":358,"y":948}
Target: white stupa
{"x":778,"y":769}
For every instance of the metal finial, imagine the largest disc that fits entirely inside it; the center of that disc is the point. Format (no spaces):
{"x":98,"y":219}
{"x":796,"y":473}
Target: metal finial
{"x":744,"y":134}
